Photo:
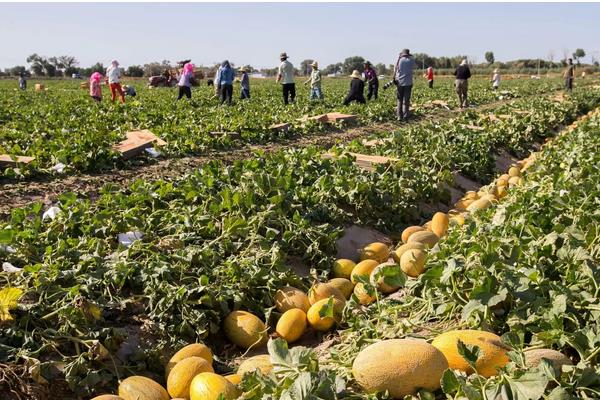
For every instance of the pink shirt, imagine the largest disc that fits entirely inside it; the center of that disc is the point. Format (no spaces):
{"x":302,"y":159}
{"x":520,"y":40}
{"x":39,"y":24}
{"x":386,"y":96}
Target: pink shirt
{"x":95,"y":89}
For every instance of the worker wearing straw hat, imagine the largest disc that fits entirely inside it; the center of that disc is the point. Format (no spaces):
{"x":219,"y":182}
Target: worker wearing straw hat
{"x":403,"y":76}
{"x":315,"y":82}
{"x":286,"y":77}
{"x":372,"y":81}
{"x":357,"y":89}
{"x":113,"y":73}
{"x":496,"y":79}
{"x":244,"y":84}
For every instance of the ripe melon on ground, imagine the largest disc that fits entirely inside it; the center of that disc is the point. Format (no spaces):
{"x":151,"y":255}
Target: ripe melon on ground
{"x":480,"y":204}
{"x":233,"y":378}
{"x":210,"y":386}
{"x":291,"y":325}
{"x":245,"y":330}
{"x":399,"y":366}
{"x":362,"y":295}
{"x":492,"y":351}
{"x":409,"y":231}
{"x":533,"y":357}
{"x":320,"y":291}
{"x":194,"y":349}
{"x":289,"y":297}
{"x":141,"y":388}
{"x":364,"y":269}
{"x":380,"y":283}
{"x":180,"y":378}
{"x":324,"y":323}
{"x":515,"y":181}
{"x":107,"y":397}
{"x":412,"y":262}
{"x":439,"y":224}
{"x":428,"y":238}
{"x":343,"y":285}
{"x":375,"y":251}
{"x":463,"y":204}
{"x":261,"y":362}
{"x":514,"y":171}
{"x":342,"y":268}
{"x":396,"y":254}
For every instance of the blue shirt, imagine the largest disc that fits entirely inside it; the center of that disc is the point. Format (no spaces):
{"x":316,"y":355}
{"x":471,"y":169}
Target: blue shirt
{"x":226,"y":76}
{"x":404,"y":74}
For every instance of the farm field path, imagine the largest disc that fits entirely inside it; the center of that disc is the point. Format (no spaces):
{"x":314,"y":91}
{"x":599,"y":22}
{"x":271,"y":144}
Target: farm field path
{"x":48,"y":189}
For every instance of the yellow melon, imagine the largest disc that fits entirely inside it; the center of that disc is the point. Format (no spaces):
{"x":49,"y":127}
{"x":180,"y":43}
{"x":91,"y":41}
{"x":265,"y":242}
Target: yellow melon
{"x":180,"y":378}
{"x":462,"y":205}
{"x":320,"y":291}
{"x":210,"y":386}
{"x":514,"y":171}
{"x":261,"y":362}
{"x":291,"y":325}
{"x":471,"y":195}
{"x":233,"y":378}
{"x":380,"y":283}
{"x":399,"y":366}
{"x":289,"y":297}
{"x":492,"y":351}
{"x":245,"y":330}
{"x":505,"y":177}
{"x":396,"y":254}
{"x":324,"y":323}
{"x":439,"y":224}
{"x":429,"y":239}
{"x":364,"y":269}
{"x":480,"y":204}
{"x":515,"y":181}
{"x":457,"y":219}
{"x":409,"y":231}
{"x":141,"y":388}
{"x":107,"y":397}
{"x":412,"y":262}
{"x":362,"y":295}
{"x":194,"y":349}
{"x":501,"y":191}
{"x":343,"y":285}
{"x":342,"y":268}
{"x":375,"y":251}
{"x":501,"y":182}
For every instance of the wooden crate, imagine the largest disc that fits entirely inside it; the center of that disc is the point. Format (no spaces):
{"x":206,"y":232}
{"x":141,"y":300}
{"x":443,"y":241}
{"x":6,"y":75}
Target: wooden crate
{"x":12,"y":161}
{"x":364,"y":161}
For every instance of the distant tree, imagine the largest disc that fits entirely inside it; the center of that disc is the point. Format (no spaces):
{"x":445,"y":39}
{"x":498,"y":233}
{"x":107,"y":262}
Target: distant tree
{"x":305,"y":66}
{"x":489,"y":57}
{"x":135,"y":71}
{"x":578,"y":55}
{"x":352,"y":63}
{"x":17,"y":71}
{"x":333,"y":69}
{"x":98,"y":67}
{"x":382,"y":69}
{"x":37,"y":64}
{"x":156,"y":68}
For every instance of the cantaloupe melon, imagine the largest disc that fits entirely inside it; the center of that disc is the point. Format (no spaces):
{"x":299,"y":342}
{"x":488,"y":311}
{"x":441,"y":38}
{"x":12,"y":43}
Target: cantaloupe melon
{"x":289,"y":297}
{"x":380,"y":283}
{"x":412,"y":262}
{"x":457,"y":219}
{"x":233,"y":378}
{"x":180,"y":378}
{"x":439,"y":224}
{"x":493,"y":353}
{"x":506,"y":177}
{"x":429,"y":239}
{"x":320,"y":291}
{"x":533,"y":357}
{"x":480,"y":204}
{"x":501,"y":191}
{"x":261,"y":362}
{"x":514,"y":181}
{"x":194,"y":349}
{"x":343,"y":285}
{"x":462,"y":205}
{"x":342,"y":268}
{"x":471,"y":195}
{"x":427,"y":225}
{"x":141,"y":388}
{"x":397,"y":254}
{"x":324,"y":323}
{"x":107,"y":397}
{"x":409,"y":231}
{"x":375,"y":251}
{"x":501,"y":182}
{"x":399,"y":366}
{"x":363,"y":269}
{"x":514,"y":171}
{"x":362,"y":295}
{"x":210,"y":386}
{"x":291,"y":325}
{"x":245,"y":330}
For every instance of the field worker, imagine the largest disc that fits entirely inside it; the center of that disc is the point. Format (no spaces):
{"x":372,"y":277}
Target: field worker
{"x":569,"y":75}
{"x":244,"y":84}
{"x":129,"y":91}
{"x":95,"y":88}
{"x":22,"y":81}
{"x":184,"y":84}
{"x":462,"y":74}
{"x":226,"y":77}
{"x":429,"y":76}
{"x":357,"y":88}
{"x":114,"y":81}
{"x":496,"y":79}
{"x":372,"y":81}
{"x":315,"y":82}
{"x":582,"y":74}
{"x":403,"y":75}
{"x":286,"y":77}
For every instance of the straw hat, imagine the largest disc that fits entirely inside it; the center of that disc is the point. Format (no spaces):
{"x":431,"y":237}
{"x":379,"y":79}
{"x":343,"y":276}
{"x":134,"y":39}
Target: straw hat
{"x":283,"y":56}
{"x":355,"y":74}
{"x":314,"y":64}
{"x":368,"y":63}
{"x":405,"y":52}
{"x":496,"y":71}
{"x":243,"y":69}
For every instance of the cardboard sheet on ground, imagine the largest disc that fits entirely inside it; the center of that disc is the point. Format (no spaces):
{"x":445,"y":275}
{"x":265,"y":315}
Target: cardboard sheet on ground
{"x":376,"y":142}
{"x":12,"y":161}
{"x":362,"y":160}
{"x":137,"y":142}
{"x":355,"y":238}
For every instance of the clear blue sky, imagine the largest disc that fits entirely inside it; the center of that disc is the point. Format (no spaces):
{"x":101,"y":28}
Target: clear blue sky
{"x":255,"y":34}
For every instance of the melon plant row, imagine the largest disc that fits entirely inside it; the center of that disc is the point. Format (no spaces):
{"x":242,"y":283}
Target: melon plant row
{"x":86,"y":309}
{"x":62,"y":125}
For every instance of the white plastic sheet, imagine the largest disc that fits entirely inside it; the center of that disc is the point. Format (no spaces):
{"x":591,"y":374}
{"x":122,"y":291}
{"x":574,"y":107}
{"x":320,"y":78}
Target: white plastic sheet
{"x":8,"y":267}
{"x":152,"y":152}
{"x":127,"y":238}
{"x":51,"y":213}
{"x":60,"y":167}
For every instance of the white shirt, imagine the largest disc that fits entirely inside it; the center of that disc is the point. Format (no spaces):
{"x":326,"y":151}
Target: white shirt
{"x":286,"y":70}
{"x":114,"y":74}
{"x":496,"y":80}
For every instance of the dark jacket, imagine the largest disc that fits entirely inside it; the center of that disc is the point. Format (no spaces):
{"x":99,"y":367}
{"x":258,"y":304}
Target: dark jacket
{"x":357,"y":88}
{"x":462,"y":72}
